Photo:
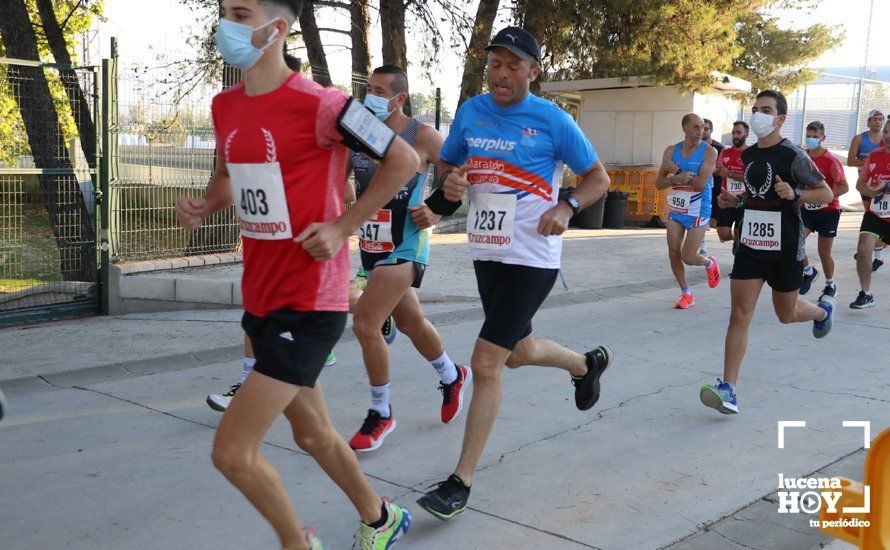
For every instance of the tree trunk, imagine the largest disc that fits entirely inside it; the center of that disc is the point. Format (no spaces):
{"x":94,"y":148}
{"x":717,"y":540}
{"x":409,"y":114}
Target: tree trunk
{"x":80,"y":106}
{"x":314,"y":48}
{"x":358,"y":32}
{"x":474,"y":66}
{"x":61,"y":193}
{"x":535,"y":20}
{"x":395,"y":50}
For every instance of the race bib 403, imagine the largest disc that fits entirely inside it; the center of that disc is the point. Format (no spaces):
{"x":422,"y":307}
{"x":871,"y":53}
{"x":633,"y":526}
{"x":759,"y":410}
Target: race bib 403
{"x":491,"y":220}
{"x":258,"y":193}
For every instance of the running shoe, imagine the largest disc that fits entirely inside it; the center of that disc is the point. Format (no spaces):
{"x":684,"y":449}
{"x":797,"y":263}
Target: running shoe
{"x":713,"y":272}
{"x":686,"y":301}
{"x":398,"y":522}
{"x":806,"y":283}
{"x":587,"y":387}
{"x":313,"y":540}
{"x":830,"y":291}
{"x":389,"y":330}
{"x":374,"y":430}
{"x":331,"y":360}
{"x":361,"y":279}
{"x":863,"y":301}
{"x":823,"y":327}
{"x":453,"y":394}
{"x":2,"y":405}
{"x":720,"y":397}
{"x":447,"y":500}
{"x":876,"y":265}
{"x":220,"y":402}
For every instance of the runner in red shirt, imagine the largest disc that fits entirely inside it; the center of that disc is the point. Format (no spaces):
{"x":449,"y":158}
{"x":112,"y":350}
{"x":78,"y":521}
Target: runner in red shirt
{"x":874,"y":185}
{"x":282,"y":161}
{"x":822,"y":218}
{"x":731,"y":168}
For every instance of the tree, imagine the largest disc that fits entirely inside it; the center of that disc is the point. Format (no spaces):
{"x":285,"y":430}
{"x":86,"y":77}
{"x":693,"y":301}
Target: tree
{"x":773,"y":57}
{"x":474,"y":65}
{"x":64,"y":201}
{"x":360,"y":19}
{"x":678,"y":42}
{"x":395,"y":49}
{"x":314,"y":46}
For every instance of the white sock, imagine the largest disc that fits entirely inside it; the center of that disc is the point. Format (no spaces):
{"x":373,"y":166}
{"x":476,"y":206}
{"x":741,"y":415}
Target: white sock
{"x":710,"y":263}
{"x":246,"y":367}
{"x":809,"y":270}
{"x":380,"y":399}
{"x":829,"y":282}
{"x":446,"y":368}
{"x":879,"y":254}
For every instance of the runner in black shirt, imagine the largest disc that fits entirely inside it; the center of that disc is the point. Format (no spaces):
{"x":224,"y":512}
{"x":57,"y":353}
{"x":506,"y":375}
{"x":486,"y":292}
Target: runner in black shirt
{"x":778,"y":178}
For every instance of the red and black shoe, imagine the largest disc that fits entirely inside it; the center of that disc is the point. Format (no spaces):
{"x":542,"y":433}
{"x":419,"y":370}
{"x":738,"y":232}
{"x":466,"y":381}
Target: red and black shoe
{"x":374,"y":430}
{"x":453,"y":394}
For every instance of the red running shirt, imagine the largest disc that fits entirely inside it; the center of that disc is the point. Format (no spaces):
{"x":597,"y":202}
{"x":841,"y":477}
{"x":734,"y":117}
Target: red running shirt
{"x":731,"y":159}
{"x":833,"y":171}
{"x":294,"y":126}
{"x":877,"y":170}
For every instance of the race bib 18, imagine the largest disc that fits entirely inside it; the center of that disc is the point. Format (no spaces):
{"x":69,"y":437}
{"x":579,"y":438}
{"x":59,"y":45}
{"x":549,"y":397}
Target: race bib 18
{"x":258,"y":193}
{"x":491,"y":220}
{"x":880,"y":206}
{"x":762,"y":230}
{"x":375,"y":235}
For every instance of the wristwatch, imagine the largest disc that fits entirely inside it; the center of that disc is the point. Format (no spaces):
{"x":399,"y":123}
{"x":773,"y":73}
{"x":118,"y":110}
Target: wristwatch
{"x":797,"y":193}
{"x":573,"y":204}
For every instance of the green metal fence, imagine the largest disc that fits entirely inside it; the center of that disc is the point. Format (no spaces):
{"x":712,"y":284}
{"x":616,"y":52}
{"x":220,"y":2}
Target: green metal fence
{"x":49,"y":156}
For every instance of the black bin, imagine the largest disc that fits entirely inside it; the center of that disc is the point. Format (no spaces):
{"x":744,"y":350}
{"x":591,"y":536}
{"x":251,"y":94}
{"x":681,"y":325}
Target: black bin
{"x":592,"y":216}
{"x":616,"y":210}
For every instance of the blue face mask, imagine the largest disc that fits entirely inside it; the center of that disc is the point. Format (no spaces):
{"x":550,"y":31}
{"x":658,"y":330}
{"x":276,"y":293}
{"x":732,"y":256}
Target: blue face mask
{"x":234,"y":43}
{"x":813,"y":143}
{"x":379,"y":106}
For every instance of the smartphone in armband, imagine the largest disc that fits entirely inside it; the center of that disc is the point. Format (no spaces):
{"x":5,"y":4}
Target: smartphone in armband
{"x":363,"y":132}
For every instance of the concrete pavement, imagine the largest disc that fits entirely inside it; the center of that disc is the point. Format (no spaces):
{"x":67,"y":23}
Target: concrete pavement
{"x":107,"y":443}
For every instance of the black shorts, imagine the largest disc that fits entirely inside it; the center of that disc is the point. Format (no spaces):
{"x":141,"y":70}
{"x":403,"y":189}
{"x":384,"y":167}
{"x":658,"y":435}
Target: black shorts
{"x":781,"y":273}
{"x":877,"y":227}
{"x":370,"y":261}
{"x":511,"y":295}
{"x":726,"y":217}
{"x":715,"y":192}
{"x":291,"y":346}
{"x":823,"y":222}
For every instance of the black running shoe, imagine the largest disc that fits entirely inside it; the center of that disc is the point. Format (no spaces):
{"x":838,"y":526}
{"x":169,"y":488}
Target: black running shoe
{"x":2,"y":405}
{"x":863,"y":301}
{"x":806,"y":283}
{"x":876,"y":265}
{"x":830,"y":291}
{"x":447,"y":500}
{"x":587,"y":387}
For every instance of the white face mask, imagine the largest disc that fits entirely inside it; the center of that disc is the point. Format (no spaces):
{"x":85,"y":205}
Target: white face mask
{"x":762,"y":124}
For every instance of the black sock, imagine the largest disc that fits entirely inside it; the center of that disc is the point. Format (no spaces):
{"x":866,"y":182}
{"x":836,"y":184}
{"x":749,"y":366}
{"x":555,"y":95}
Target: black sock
{"x":384,"y":515}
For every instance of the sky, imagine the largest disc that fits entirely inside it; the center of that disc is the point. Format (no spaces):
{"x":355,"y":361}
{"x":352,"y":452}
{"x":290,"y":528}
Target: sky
{"x":162,"y":25}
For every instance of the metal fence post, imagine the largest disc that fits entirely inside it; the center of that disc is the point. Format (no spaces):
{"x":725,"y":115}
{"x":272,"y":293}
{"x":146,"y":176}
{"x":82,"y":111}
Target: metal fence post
{"x":108,"y":131}
{"x":438,"y":107}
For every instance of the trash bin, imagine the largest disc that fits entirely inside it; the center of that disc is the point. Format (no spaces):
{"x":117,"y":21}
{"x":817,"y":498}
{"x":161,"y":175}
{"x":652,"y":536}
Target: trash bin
{"x":592,"y":216}
{"x":616,"y":210}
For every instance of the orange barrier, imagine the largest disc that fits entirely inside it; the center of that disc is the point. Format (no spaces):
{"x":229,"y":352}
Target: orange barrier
{"x":847,"y":525}
{"x":643,"y":199}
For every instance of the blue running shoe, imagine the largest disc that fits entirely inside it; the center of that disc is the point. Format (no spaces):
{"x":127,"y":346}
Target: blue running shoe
{"x":720,"y":397}
{"x":806,"y":283}
{"x":823,"y":327}
{"x":389,"y":330}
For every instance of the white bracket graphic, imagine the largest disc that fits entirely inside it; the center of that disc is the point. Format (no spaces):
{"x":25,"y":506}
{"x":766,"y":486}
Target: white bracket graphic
{"x":788,"y":424}
{"x":866,"y":430}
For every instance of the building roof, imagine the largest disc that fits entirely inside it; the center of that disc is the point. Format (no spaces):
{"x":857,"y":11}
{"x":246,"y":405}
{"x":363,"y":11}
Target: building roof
{"x":571,"y":88}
